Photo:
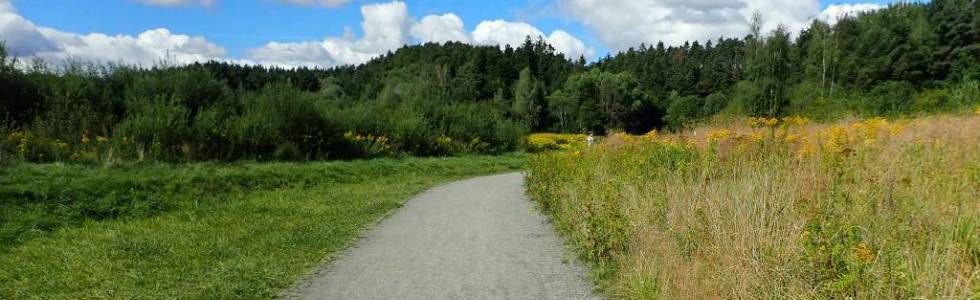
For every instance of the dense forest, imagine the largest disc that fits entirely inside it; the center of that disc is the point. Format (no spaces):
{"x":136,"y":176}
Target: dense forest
{"x":454,"y":98}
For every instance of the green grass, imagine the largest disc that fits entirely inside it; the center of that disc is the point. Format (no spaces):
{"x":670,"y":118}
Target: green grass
{"x":200,"y":230}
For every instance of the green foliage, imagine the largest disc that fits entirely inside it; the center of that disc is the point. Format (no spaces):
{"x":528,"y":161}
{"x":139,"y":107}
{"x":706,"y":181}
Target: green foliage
{"x":892,"y":97}
{"x":714,"y":103}
{"x":683,"y":111}
{"x":597,"y":100}
{"x":155,"y":123}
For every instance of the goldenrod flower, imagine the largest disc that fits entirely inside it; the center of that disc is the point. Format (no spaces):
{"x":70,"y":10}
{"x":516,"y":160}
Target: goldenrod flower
{"x":796,"y":120}
{"x":651,"y":136}
{"x":719,"y":135}
{"x":864,"y":253}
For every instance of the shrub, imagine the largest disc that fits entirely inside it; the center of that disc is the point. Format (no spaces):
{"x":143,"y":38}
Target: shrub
{"x":890,"y":98}
{"x":683,"y":111}
{"x":539,"y":142}
{"x":287,"y":152}
{"x":159,"y":125}
{"x":714,"y":104}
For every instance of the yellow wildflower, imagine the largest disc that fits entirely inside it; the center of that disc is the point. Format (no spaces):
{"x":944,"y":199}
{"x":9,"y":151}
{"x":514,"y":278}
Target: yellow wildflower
{"x":651,"y":136}
{"x":85,"y":139}
{"x":796,"y":121}
{"x":101,"y":139}
{"x":864,"y":253}
{"x":763,"y":122}
{"x":792,"y":138}
{"x":719,"y":135}
{"x":807,"y":149}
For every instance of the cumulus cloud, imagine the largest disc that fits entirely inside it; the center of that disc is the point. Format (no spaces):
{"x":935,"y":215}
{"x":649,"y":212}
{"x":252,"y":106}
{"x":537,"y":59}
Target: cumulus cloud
{"x":441,"y":28}
{"x":147,"y":48}
{"x":620,"y":24}
{"x":176,"y":2}
{"x":500,"y":32}
{"x":21,"y":36}
{"x":385,"y":26}
{"x":321,"y":3}
{"x":569,"y":45}
{"x":25,"y":39}
{"x":835,"y":12}
{"x":388,"y":26}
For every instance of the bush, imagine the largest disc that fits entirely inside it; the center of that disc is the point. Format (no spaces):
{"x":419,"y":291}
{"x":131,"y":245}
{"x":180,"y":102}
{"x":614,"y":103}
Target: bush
{"x":683,"y":111}
{"x":890,"y":98}
{"x":934,"y":100}
{"x":714,"y":104}
{"x":159,"y":125}
{"x":287,"y":152}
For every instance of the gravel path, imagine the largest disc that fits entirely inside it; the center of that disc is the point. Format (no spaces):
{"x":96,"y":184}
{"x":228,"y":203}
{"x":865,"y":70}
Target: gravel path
{"x":472,"y":239}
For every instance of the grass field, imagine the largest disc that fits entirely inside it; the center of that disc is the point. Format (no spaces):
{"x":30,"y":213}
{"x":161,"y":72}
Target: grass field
{"x":205,"y":231}
{"x":776,"y":209}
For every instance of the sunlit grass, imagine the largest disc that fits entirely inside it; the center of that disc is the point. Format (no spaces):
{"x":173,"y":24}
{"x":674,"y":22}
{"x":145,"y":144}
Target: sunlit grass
{"x":209,"y":232}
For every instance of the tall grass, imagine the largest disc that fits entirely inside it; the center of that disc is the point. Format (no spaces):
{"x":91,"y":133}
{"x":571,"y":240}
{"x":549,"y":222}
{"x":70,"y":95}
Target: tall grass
{"x":776,"y":209}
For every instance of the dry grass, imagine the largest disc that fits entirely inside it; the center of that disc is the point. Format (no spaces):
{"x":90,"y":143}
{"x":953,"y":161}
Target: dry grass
{"x":856,"y":209}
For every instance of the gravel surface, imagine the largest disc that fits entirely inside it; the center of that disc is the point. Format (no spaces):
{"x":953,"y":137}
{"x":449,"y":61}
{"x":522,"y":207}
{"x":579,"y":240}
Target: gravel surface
{"x":472,"y":239}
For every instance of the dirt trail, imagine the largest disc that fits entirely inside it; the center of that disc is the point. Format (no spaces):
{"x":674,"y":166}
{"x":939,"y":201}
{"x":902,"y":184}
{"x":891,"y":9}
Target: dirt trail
{"x":472,"y":239}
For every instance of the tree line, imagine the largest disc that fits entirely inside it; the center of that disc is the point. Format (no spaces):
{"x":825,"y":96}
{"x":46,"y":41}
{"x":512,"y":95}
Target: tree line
{"x":452,"y":98}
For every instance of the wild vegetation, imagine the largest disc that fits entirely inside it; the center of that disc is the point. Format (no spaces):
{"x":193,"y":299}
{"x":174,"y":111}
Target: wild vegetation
{"x":202,"y":231}
{"x":775,"y":208}
{"x":453,"y":98}
{"x":122,"y":181}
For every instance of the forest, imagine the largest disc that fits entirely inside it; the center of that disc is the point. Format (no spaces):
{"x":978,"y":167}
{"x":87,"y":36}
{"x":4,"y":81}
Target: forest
{"x":455,"y":98}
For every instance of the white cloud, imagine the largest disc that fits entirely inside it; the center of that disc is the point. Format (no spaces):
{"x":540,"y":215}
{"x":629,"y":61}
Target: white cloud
{"x":835,"y":12}
{"x":388,"y":26}
{"x":25,"y":39}
{"x":572,"y":47}
{"x":7,"y":7}
{"x":385,"y":28}
{"x":321,"y":3}
{"x":620,"y":24}
{"x":177,"y":2}
{"x":22,"y":38}
{"x":500,"y":32}
{"x":439,"y":29}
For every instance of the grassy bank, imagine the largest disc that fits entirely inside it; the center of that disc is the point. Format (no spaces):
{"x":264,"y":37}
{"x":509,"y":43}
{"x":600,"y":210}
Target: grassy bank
{"x":199,"y":230}
{"x":776,"y":209}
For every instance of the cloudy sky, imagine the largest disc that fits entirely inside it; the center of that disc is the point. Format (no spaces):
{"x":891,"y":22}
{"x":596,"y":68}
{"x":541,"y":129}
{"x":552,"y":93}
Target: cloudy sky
{"x":327,"y":33}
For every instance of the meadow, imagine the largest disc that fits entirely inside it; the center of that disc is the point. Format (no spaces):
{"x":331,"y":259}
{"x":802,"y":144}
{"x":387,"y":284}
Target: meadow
{"x":205,"y":230}
{"x":775,"y":209}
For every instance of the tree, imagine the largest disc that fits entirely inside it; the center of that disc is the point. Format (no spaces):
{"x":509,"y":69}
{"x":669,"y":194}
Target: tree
{"x":769,"y":66}
{"x":528,"y":99}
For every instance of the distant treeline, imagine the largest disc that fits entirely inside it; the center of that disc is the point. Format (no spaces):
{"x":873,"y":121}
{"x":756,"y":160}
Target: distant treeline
{"x":445,"y":99}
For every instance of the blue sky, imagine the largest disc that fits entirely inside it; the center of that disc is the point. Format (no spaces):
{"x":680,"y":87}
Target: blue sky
{"x":243,"y":29}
